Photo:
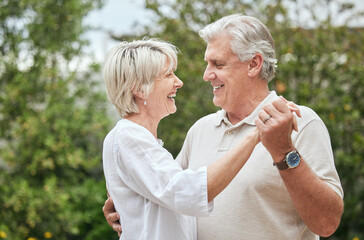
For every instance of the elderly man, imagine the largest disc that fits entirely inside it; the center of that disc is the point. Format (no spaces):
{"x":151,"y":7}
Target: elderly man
{"x":289,"y":188}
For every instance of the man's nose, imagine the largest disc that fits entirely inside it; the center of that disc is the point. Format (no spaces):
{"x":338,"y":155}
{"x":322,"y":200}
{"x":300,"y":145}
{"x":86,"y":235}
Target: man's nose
{"x":209,"y":74}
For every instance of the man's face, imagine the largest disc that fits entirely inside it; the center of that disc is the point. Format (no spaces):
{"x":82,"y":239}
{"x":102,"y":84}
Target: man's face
{"x":226,"y":73}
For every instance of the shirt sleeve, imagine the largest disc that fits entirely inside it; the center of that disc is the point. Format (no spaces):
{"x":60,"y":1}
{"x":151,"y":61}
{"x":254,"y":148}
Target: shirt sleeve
{"x":150,"y":170}
{"x":314,"y":145}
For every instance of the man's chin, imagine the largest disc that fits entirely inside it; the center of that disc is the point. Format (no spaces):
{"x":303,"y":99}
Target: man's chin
{"x":216,"y":102}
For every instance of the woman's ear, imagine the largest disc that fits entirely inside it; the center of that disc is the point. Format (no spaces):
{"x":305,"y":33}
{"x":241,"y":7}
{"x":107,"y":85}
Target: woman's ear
{"x":255,"y":65}
{"x":138,"y":93}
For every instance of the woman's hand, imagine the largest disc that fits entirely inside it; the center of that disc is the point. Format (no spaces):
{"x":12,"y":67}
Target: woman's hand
{"x":294,"y":109}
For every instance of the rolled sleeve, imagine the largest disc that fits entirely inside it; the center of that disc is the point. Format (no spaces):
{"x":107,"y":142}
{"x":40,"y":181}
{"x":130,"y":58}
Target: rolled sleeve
{"x":196,"y":204}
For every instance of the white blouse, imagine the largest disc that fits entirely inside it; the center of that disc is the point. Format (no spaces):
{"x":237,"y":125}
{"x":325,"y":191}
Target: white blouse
{"x":151,"y":192}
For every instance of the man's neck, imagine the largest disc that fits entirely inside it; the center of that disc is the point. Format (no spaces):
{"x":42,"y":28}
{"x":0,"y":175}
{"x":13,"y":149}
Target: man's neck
{"x":243,"y":110}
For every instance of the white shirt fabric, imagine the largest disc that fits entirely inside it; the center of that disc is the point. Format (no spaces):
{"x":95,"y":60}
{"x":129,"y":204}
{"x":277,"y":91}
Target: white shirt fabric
{"x":256,"y":204}
{"x":151,"y":192}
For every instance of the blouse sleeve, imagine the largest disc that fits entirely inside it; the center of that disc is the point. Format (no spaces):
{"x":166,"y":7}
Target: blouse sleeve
{"x":150,"y":170}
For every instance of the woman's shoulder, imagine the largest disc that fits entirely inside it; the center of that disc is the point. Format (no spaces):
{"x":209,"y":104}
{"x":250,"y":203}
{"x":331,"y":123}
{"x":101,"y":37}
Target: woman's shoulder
{"x":126,"y":130}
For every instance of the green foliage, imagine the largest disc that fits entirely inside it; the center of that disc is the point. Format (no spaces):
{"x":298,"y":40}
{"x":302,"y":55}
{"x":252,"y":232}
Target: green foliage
{"x":319,"y":65}
{"x":53,"y":118}
{"x":52,"y":123}
{"x":322,"y":67}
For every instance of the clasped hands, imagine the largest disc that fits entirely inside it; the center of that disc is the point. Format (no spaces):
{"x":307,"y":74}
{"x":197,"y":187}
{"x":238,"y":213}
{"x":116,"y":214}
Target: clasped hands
{"x":275,"y":124}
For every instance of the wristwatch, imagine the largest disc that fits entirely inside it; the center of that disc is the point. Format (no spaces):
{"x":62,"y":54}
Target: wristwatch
{"x":291,"y":160}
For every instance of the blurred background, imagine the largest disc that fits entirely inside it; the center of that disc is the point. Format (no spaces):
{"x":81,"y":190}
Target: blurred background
{"x":54,"y":112}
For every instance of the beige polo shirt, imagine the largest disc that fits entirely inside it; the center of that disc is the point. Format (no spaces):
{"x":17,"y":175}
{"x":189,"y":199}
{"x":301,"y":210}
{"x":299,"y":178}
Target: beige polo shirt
{"x":256,"y":205}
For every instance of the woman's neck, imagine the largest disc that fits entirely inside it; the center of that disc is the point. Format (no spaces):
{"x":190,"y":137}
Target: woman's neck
{"x":145,"y":121}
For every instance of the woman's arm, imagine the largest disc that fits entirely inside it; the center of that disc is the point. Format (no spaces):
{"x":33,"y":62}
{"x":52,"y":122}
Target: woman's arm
{"x":221,"y":172}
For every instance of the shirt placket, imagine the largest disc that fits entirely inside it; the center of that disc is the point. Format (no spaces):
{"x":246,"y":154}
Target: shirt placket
{"x":227,"y":139}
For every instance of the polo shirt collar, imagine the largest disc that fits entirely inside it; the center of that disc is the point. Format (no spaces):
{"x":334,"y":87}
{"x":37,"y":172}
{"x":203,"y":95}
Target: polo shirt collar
{"x":221,"y":115}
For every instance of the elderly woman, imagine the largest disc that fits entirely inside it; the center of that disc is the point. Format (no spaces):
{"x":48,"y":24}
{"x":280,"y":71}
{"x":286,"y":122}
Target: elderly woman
{"x":154,"y":196}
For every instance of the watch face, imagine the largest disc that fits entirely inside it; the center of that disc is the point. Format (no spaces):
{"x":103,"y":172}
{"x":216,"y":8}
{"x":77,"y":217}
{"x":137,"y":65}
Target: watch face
{"x":293,"y":159}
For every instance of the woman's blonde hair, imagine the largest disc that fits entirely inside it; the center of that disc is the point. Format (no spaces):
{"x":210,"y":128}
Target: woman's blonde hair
{"x":133,"y":66}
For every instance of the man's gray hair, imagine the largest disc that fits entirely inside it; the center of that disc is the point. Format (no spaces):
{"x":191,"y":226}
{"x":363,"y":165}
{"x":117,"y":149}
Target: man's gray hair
{"x":133,"y":66}
{"x":248,"y":37}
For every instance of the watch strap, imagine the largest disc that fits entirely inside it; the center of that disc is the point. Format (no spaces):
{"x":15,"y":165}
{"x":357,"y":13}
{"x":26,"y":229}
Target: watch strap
{"x":281,"y":165}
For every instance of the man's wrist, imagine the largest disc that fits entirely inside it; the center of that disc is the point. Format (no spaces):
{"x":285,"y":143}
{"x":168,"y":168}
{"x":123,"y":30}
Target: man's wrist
{"x":279,"y":157}
{"x":291,"y":160}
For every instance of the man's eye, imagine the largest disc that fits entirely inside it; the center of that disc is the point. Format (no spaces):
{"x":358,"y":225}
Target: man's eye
{"x":218,"y":64}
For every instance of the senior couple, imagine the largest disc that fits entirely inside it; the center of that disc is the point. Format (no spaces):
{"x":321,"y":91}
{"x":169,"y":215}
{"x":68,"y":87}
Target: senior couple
{"x":242,"y":171}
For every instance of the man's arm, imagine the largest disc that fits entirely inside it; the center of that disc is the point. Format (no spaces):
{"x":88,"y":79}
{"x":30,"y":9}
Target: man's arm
{"x":319,"y":206}
{"x":111,"y":215}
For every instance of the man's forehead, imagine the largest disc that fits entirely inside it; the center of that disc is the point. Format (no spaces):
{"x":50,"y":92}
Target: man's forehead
{"x":217,"y":52}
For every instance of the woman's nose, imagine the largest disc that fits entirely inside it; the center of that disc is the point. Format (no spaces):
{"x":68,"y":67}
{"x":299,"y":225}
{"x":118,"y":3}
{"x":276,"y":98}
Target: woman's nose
{"x":178,"y":83}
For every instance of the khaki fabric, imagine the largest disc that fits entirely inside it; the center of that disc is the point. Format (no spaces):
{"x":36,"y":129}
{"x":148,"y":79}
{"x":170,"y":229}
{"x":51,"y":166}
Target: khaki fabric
{"x":256,"y":204}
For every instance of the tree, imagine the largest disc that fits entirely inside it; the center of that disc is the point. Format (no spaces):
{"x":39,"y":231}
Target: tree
{"x":52,"y":122}
{"x":319,"y":65}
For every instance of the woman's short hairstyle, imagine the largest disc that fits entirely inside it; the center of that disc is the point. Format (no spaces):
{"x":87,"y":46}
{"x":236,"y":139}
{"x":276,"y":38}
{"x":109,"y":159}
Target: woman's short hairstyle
{"x":248,"y":37}
{"x":133,"y":67}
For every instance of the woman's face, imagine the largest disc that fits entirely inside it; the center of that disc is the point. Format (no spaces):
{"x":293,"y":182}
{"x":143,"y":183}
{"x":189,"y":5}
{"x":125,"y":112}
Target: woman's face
{"x":160,"y":101}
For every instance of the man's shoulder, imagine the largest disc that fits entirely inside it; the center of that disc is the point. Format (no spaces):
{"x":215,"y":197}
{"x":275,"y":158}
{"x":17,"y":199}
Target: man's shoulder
{"x":209,"y":119}
{"x":308,"y":114}
{"x":205,"y":123}
{"x":309,"y":117}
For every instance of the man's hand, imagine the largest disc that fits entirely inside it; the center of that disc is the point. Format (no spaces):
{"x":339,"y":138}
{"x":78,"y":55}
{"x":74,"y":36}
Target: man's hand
{"x":111,"y":215}
{"x":275,"y":123}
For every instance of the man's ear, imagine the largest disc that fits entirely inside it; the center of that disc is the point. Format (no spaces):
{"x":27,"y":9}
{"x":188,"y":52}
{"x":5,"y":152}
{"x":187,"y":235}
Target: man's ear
{"x":255,"y":65}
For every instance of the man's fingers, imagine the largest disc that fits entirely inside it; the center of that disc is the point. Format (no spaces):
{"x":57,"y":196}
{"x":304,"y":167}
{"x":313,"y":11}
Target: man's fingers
{"x":276,"y":108}
{"x":295,"y":124}
{"x":294,"y":108}
{"x":108,"y":206}
{"x":112,"y":218}
{"x":109,"y":212}
{"x":263,"y":116}
{"x":117,"y":227}
{"x":270,"y":110}
{"x":284,"y":100}
{"x":280,"y":105}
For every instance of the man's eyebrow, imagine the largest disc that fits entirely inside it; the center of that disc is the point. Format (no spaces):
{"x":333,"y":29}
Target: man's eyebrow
{"x":216,"y":58}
